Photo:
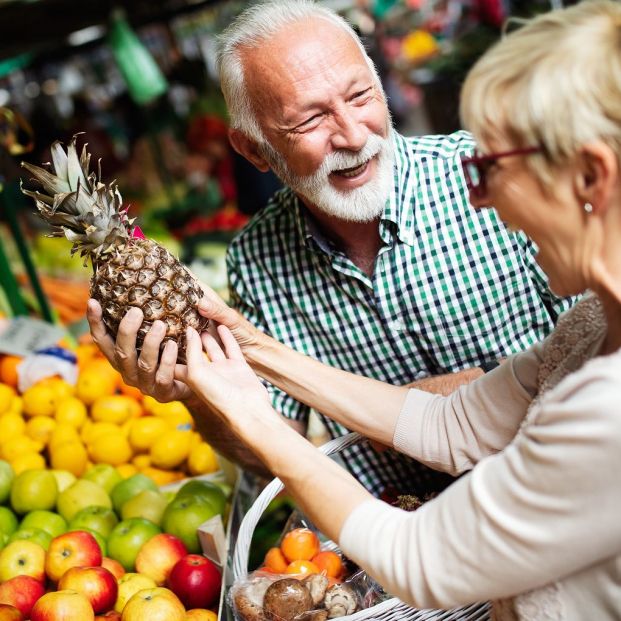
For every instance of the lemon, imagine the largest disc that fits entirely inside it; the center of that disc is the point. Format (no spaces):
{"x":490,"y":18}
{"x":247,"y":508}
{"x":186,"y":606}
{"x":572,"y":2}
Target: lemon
{"x":141,"y":461}
{"x":62,"y":388}
{"x":171,"y":449}
{"x":39,"y":400}
{"x":20,"y":444}
{"x":127,"y":470}
{"x":6,"y":398}
{"x":40,"y":428}
{"x":28,"y":461}
{"x":172,"y":408}
{"x":150,"y":404}
{"x":99,"y":429}
{"x":92,"y":385}
{"x":69,"y":455}
{"x":145,"y":430}
{"x":72,"y":411}
{"x":17,"y":405}
{"x":112,"y":409}
{"x":110,"y":448}
{"x":11,"y":425}
{"x":63,"y":432}
{"x":202,"y":460}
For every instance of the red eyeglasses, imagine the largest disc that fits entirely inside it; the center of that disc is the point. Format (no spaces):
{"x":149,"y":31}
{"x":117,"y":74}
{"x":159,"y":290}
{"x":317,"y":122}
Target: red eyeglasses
{"x":476,"y":167}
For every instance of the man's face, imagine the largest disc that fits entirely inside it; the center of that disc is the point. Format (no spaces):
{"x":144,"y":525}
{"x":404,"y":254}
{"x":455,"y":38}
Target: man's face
{"x":324,"y":117}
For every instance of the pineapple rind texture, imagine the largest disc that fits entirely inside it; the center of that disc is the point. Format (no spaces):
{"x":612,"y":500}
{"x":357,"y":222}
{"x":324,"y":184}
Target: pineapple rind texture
{"x":128,"y":271}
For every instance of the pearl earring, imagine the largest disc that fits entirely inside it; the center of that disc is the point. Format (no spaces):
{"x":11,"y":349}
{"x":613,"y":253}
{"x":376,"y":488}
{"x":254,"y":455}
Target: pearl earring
{"x":588,"y":207}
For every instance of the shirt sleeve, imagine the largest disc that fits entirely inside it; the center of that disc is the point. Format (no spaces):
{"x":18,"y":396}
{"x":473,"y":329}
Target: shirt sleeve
{"x":455,"y":432}
{"x":241,"y":300}
{"x":544,"y":508}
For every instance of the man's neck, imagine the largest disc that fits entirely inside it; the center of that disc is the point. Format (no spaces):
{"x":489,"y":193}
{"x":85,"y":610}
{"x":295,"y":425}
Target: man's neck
{"x":359,"y":241}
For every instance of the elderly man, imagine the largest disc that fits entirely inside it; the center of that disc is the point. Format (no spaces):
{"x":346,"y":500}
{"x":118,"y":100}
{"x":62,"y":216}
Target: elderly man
{"x":370,"y":259}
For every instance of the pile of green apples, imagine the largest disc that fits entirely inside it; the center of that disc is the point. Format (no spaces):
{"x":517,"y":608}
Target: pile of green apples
{"x":95,"y":542}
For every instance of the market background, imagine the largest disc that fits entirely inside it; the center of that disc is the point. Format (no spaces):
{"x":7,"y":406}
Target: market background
{"x":138,"y":78}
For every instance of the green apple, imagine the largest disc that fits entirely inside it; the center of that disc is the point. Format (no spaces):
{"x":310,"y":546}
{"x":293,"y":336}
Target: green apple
{"x":64,"y":479}
{"x":99,"y":538}
{"x":6,"y":479}
{"x":184,"y":515}
{"x":34,"y":489}
{"x":146,"y":504}
{"x":127,"y":538}
{"x":36,"y":535}
{"x":129,"y":487}
{"x":206,"y":489}
{"x":8,"y":521}
{"x":48,"y":521}
{"x":105,"y":475}
{"x":80,"y":495}
{"x":99,"y":519}
{"x":4,"y":538}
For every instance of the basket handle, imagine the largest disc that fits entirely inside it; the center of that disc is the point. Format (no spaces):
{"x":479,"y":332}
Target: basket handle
{"x":251,"y":519}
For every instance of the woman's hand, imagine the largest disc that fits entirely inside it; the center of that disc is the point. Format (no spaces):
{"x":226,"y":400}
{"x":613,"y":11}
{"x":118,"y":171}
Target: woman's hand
{"x":225,"y":382}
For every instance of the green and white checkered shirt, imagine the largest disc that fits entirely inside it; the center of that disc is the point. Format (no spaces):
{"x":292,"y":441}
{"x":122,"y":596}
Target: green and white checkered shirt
{"x":452,"y":288}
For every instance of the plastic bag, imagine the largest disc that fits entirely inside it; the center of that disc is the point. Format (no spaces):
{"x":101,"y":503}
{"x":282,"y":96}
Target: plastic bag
{"x":47,"y":363}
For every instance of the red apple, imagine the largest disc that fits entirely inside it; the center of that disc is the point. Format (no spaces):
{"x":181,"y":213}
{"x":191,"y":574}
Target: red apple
{"x":114,"y":567}
{"x":62,"y":606}
{"x":74,"y":549}
{"x":156,"y":604}
{"x":158,"y":556}
{"x":196,"y":581}
{"x":96,"y":583}
{"x":22,"y":558}
{"x":10,"y":613}
{"x":21,"y":592}
{"x":111,"y":615}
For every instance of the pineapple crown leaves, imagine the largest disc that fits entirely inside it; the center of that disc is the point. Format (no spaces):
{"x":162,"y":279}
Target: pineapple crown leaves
{"x":78,"y":205}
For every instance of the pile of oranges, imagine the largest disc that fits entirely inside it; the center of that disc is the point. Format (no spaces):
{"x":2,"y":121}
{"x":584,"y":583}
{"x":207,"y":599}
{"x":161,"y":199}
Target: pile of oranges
{"x":99,"y":420}
{"x":299,"y":553}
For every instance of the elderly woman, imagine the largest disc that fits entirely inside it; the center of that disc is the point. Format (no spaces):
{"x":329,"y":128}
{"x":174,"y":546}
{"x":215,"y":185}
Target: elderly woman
{"x":534,"y":524}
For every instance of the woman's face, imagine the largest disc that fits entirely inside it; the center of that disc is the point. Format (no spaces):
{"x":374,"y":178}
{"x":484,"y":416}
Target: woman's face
{"x":552,"y":219}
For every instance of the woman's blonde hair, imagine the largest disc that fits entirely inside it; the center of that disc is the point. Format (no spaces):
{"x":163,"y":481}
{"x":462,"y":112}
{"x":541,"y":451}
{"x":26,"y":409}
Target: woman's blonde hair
{"x":556,"y":83}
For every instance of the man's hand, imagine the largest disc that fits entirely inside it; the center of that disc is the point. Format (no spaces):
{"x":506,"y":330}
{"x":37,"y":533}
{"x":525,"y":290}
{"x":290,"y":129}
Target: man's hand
{"x":153,"y":377}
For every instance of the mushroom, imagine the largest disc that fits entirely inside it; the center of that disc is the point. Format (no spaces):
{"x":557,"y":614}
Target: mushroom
{"x":312,"y":615}
{"x":248,"y":599}
{"x":286,"y":598}
{"x":340,"y":600}
{"x":317,"y":585}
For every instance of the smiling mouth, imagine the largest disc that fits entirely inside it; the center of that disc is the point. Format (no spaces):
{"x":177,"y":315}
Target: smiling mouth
{"x":349,"y":173}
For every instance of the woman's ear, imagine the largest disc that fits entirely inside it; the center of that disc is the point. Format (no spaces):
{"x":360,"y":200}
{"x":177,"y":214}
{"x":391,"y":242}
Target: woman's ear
{"x":597,"y":175}
{"x":248,"y":148}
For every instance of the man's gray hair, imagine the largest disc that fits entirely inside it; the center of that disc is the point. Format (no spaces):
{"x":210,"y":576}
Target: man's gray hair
{"x":247,"y":32}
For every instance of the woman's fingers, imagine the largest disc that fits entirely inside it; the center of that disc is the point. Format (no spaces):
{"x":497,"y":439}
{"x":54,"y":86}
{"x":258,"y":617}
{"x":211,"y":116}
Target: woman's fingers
{"x":231,"y":346}
{"x":212,"y":347}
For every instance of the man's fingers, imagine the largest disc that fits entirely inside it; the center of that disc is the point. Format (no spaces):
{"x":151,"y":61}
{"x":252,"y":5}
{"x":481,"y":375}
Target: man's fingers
{"x":165,"y":374}
{"x":150,"y":351}
{"x":125,"y":349}
{"x":98,"y":330}
{"x":231,"y":346}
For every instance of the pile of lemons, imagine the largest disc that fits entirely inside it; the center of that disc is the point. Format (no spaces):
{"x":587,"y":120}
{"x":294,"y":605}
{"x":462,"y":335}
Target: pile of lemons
{"x":99,"y":420}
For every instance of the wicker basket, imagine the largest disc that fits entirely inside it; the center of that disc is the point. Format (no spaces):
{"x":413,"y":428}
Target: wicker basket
{"x":389,"y":610}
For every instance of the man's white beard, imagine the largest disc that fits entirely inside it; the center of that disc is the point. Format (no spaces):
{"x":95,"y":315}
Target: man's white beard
{"x":361,"y":204}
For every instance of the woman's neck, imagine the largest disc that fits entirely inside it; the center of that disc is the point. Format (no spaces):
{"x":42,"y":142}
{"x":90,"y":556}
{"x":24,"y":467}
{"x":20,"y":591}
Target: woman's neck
{"x":612,"y":310}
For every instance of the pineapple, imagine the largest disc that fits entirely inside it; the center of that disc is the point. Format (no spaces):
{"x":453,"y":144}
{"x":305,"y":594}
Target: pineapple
{"x":128,"y":270}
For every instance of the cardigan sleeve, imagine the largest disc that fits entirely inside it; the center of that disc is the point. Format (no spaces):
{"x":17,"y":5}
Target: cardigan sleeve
{"x":453,"y":433}
{"x":543,"y":508}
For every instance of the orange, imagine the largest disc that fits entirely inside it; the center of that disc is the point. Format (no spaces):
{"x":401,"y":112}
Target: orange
{"x":300,"y":544}
{"x":330,"y":562}
{"x":8,"y":370}
{"x":275,"y":560}
{"x":302,"y":567}
{"x":162,"y":477}
{"x":130,"y":391}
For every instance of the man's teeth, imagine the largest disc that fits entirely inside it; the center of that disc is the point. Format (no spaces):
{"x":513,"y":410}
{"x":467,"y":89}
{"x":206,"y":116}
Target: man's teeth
{"x":351,"y":172}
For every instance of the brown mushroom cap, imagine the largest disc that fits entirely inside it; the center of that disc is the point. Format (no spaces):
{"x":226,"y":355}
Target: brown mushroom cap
{"x":248,"y":599}
{"x":286,"y":598}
